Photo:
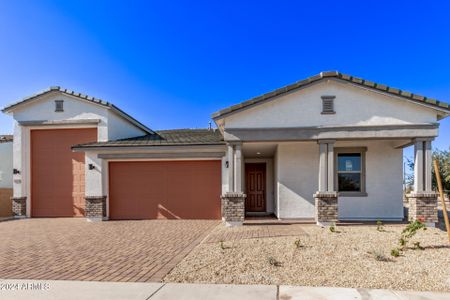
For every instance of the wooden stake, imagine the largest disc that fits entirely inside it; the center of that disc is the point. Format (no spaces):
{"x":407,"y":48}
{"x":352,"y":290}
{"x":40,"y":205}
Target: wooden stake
{"x":441,"y":192}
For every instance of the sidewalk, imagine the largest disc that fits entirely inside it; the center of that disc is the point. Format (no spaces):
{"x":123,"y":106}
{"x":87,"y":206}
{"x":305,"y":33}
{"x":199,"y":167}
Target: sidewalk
{"x":68,"y":290}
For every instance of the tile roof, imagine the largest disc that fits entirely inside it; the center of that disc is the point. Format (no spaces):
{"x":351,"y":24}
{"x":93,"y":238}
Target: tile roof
{"x":6,"y":138}
{"x":334,"y":74}
{"x":83,"y":97}
{"x":173,"y":137}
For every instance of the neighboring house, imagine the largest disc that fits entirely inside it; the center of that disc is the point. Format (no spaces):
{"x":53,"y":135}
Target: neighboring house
{"x":328,"y":147}
{"x":6,"y":174}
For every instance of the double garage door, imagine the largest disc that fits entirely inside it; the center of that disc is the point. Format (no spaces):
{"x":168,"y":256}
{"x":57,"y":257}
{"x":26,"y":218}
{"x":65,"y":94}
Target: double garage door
{"x":137,"y":190}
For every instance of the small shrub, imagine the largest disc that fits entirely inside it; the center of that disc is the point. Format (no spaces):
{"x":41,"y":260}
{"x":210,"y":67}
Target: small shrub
{"x":380,"y":226}
{"x":273,"y":262}
{"x":409,"y":231}
{"x":333,"y":228}
{"x":298,"y":244}
{"x":222,"y":245}
{"x":379,"y":256}
{"x":395,"y":252}
{"x":418,"y":246}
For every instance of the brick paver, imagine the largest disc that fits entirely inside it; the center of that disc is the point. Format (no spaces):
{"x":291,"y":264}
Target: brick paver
{"x":254,"y":231}
{"x":74,"y":249}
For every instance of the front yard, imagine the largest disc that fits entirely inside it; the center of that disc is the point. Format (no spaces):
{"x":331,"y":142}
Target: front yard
{"x":353,"y":256}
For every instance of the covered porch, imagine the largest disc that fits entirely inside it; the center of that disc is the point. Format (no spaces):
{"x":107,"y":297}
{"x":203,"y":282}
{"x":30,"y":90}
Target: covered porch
{"x":326,"y":180}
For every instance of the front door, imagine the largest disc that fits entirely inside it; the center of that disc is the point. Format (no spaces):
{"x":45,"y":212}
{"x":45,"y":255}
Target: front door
{"x":255,"y":187}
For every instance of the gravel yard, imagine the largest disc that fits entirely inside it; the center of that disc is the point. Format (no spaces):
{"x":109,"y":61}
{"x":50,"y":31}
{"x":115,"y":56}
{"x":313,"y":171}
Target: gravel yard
{"x":355,"y":256}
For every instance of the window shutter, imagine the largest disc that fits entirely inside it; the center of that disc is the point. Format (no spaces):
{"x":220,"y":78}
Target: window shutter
{"x":328,"y":104}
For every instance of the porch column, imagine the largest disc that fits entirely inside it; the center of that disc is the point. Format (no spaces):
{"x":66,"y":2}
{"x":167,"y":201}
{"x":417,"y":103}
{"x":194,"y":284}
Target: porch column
{"x":238,"y":168}
{"x":230,"y":153}
{"x":423,"y":200}
{"x":233,"y":201}
{"x":330,"y":166}
{"x":428,"y":160}
{"x":322,"y":167}
{"x":326,"y":198}
{"x":418,"y":165}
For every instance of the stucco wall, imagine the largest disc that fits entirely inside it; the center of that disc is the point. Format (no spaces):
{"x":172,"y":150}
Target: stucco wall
{"x":6,"y":165}
{"x":353,"y":106}
{"x":297,"y":171}
{"x":119,"y":128}
{"x":384,"y":183}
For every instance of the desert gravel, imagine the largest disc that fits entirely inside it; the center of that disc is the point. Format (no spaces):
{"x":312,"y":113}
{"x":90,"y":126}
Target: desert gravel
{"x":356,"y":256}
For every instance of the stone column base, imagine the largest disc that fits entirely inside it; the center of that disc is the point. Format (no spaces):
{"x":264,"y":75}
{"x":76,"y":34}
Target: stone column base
{"x":423,"y":207}
{"x":95,"y":208}
{"x":233,"y":208}
{"x":326,"y":208}
{"x":19,"y":207}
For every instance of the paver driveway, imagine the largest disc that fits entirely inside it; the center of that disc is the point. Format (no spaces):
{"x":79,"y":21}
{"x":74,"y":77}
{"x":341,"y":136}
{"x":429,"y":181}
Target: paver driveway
{"x":74,"y":249}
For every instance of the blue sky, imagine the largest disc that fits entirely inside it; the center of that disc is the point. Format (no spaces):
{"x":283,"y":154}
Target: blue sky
{"x":171,"y":64}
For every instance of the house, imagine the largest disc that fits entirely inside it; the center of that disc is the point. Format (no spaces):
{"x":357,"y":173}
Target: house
{"x":6,"y":174}
{"x":328,"y":148}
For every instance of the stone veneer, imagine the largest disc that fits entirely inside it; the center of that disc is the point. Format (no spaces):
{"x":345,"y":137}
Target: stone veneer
{"x":95,"y":208}
{"x":423,"y":205}
{"x":19,"y":207}
{"x":233,"y":208}
{"x":326,"y":205}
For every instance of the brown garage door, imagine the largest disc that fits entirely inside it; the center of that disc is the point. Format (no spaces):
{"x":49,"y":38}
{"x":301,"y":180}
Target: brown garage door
{"x":165,"y":190}
{"x":57,"y":173}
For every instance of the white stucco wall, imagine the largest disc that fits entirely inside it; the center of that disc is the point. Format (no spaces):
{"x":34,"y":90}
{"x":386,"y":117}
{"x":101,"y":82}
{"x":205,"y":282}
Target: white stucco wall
{"x":120,"y":128}
{"x":297,"y":171}
{"x":384,"y":184}
{"x":353,"y":106}
{"x":6,"y":165}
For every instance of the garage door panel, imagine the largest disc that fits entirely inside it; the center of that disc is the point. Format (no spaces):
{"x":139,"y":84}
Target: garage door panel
{"x":165,"y":190}
{"x":57,"y":173}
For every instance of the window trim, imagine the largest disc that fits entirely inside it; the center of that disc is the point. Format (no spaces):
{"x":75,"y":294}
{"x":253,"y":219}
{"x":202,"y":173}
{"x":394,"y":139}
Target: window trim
{"x":342,"y":150}
{"x":328,"y":112}
{"x":57,"y":103}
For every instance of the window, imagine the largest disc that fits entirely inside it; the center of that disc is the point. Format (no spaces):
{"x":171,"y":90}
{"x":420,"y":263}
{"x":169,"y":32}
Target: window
{"x":59,"y":105}
{"x":328,"y":105}
{"x":350,"y":171}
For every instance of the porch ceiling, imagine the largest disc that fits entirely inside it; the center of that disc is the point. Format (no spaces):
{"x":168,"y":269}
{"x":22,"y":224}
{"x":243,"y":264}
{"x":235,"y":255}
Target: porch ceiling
{"x":259,"y":150}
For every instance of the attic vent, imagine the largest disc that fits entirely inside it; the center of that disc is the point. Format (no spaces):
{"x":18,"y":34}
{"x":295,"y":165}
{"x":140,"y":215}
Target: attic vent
{"x":59,"y":105}
{"x":328,"y":104}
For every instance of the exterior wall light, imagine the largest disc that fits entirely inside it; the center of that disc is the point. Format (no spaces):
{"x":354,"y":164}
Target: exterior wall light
{"x":91,"y":167}
{"x":15,"y":171}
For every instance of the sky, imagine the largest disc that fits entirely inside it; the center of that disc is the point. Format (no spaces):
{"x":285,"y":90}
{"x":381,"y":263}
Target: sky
{"x":170,"y":64}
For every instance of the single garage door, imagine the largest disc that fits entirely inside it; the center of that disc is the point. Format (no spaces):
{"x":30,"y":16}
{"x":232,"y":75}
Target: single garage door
{"x":57,"y":173}
{"x":165,"y":189}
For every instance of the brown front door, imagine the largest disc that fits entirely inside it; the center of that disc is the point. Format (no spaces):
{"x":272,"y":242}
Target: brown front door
{"x":57,"y":173}
{"x":255,"y":183}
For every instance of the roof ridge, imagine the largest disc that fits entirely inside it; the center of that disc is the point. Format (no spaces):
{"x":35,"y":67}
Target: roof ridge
{"x":333,"y":74}
{"x":83,"y":97}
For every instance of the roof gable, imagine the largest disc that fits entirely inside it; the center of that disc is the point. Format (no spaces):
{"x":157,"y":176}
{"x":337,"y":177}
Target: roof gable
{"x":352,"y":106}
{"x":81,"y":97}
{"x":418,"y":99}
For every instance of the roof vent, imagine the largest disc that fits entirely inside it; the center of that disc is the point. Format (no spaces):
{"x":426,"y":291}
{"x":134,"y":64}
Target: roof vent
{"x":328,"y":105}
{"x":59,"y":105}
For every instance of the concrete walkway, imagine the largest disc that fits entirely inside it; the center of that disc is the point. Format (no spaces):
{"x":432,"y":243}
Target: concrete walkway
{"x":68,"y":290}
